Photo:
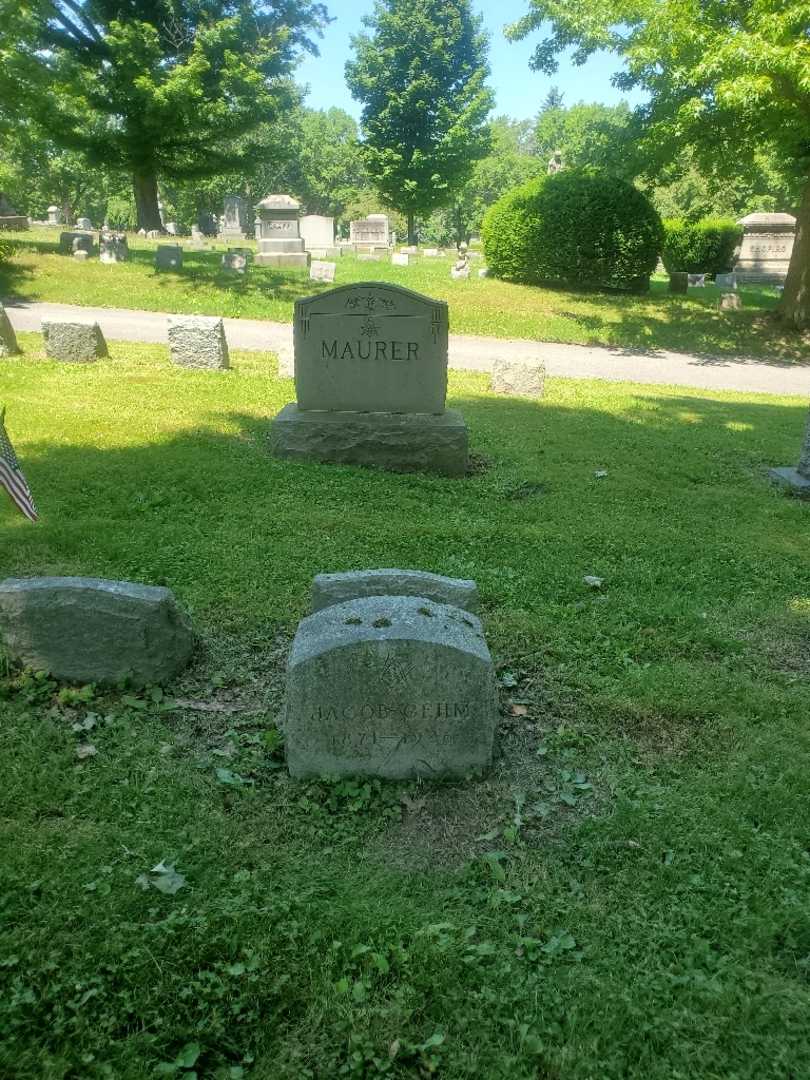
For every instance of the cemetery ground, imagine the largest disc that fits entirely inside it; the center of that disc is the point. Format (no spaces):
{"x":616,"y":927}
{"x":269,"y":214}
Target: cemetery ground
{"x":624,"y":895}
{"x":658,"y":320}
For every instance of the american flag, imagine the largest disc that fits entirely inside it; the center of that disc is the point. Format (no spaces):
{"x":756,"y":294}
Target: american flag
{"x":11,"y":477}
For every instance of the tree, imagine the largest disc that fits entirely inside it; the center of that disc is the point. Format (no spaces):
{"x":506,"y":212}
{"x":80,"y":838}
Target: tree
{"x":155,"y":87}
{"x":421,"y":76}
{"x":726,"y":77}
{"x":594,"y":135}
{"x":326,"y":170}
{"x":554,"y":100}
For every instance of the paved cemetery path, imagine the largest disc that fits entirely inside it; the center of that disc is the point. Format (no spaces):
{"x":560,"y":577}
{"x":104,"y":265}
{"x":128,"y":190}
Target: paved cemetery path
{"x":471,"y":353}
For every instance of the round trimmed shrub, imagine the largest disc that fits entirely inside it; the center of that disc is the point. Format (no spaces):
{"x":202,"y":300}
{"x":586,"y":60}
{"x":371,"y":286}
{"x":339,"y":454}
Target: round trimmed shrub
{"x":574,"y":228}
{"x":700,"y":247}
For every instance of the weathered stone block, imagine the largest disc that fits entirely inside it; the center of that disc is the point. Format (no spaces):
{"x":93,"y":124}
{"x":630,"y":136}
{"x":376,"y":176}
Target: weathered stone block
{"x":390,"y":686}
{"x":798,"y":479}
{"x":114,"y":248}
{"x":75,"y":241}
{"x":198,"y":341}
{"x":329,"y":589}
{"x":76,"y":340}
{"x":402,"y":442}
{"x":679,"y":282}
{"x":89,"y":630}
{"x":519,"y":378}
{"x":168,"y":257}
{"x":8,"y":339}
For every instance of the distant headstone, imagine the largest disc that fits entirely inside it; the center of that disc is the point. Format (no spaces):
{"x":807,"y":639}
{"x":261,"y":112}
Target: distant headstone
{"x":400,"y":258}
{"x":328,"y":589}
{"x":89,"y":630}
{"x":278,"y":233}
{"x":73,"y":340}
{"x":318,"y":234}
{"x":75,"y":241}
{"x":390,"y":686}
{"x":460,"y":271}
{"x":237,"y":223}
{"x":168,"y":257}
{"x":198,"y":341}
{"x":322,"y":271}
{"x":431,"y":253}
{"x":797,"y":480}
{"x":766,"y":248}
{"x":171,"y":228}
{"x":365,"y":256}
{"x":8,"y":339}
{"x":679,"y":282}
{"x":154,"y":234}
{"x":697,"y":281}
{"x":725,"y":281}
{"x":84,"y":223}
{"x":410,"y":249}
{"x":371,"y":381}
{"x":113,"y":247}
{"x":519,"y":378}
{"x":370,"y":233}
{"x":236,"y":261}
{"x":9,"y":218}
{"x":55,"y":215}
{"x":730,"y":302}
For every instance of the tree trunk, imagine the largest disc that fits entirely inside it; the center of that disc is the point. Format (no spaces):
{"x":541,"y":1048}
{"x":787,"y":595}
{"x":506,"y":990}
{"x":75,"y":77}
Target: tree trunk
{"x":411,"y":229}
{"x":795,"y":306}
{"x":144,"y":185}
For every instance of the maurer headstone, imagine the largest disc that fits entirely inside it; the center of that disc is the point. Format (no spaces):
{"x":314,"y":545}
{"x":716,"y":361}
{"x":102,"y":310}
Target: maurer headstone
{"x":797,"y":480}
{"x":371,"y":381}
{"x":766,"y":248}
{"x":390,"y":686}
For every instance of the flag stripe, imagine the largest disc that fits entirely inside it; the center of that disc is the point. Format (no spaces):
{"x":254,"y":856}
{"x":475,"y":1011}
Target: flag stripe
{"x":11,"y":476}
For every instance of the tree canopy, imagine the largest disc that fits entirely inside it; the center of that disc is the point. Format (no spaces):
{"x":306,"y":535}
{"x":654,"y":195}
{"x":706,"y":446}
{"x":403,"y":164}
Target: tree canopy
{"x":420,"y":72}
{"x":153,"y":87}
{"x":725,"y":77}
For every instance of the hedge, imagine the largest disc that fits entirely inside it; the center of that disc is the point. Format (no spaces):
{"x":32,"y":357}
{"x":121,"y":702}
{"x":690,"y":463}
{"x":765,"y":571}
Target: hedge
{"x":574,"y":228}
{"x":700,"y":247}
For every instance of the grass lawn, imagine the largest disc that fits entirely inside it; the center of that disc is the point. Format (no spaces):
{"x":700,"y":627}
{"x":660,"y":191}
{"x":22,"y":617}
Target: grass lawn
{"x":478,"y":306}
{"x":624,"y":896}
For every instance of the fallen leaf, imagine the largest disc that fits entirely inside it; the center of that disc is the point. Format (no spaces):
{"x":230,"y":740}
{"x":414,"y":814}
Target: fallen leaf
{"x":85,"y":750}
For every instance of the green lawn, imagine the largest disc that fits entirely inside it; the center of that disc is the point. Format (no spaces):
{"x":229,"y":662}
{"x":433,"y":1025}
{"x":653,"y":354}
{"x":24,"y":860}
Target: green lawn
{"x":488,"y":307}
{"x":624,"y":896}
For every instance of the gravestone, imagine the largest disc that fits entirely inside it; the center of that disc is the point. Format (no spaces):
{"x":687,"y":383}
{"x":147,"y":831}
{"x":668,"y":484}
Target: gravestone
{"x":236,"y":219}
{"x":797,"y":480}
{"x":766,"y":248}
{"x":431,"y":253}
{"x":318,"y":234}
{"x":409,"y":249}
{"x":400,"y":258}
{"x":390,"y":686}
{"x":8,"y":339}
{"x":198,"y":341}
{"x":75,"y":241}
{"x":154,"y":234}
{"x":73,"y":340}
{"x":725,"y":281}
{"x":322,"y":271}
{"x":168,"y":257}
{"x":90,"y":630}
{"x":328,"y":589}
{"x":370,"y":235}
{"x":171,"y":228}
{"x":518,"y":378}
{"x":9,"y":218}
{"x":729,"y":302}
{"x":113,"y":248}
{"x":84,"y":223}
{"x":278,"y":233}
{"x":679,"y":282}
{"x":55,"y":215}
{"x":235,"y":261}
{"x":697,"y":281}
{"x":371,"y":382}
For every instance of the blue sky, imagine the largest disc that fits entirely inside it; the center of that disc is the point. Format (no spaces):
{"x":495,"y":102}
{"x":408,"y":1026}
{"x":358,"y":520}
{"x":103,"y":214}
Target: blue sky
{"x":519,"y":90}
